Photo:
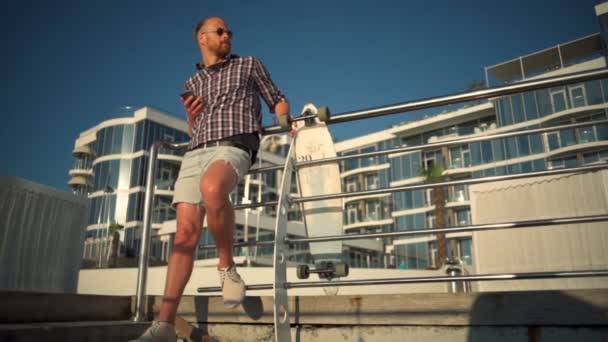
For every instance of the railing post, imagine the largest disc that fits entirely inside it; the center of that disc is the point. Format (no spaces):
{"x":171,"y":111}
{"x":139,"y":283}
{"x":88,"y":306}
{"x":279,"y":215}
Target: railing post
{"x":282,"y":328}
{"x":454,"y":269}
{"x":144,"y":252}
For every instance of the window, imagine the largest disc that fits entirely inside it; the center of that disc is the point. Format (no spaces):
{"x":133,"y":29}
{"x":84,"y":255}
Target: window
{"x":352,"y":184}
{"x":523,"y":145}
{"x":593,"y":92}
{"x":487,"y":154}
{"x":530,"y":105}
{"x":505,"y":112}
{"x":511,"y":147}
{"x":517,"y":103}
{"x":476,"y":153}
{"x":553,"y":140}
{"x":466,"y":252}
{"x":371,"y":181}
{"x":460,"y":157}
{"x":577,"y":96}
{"x":536,"y":144}
{"x":458,"y":193}
{"x":567,"y":137}
{"x":558,"y":100}
{"x":431,"y":158}
{"x":556,"y":164}
{"x":586,"y":134}
{"x":351,"y":164}
{"x":352,"y":213}
{"x":544,"y":102}
{"x":462,"y":217}
{"x":368,"y":161}
{"x":373,"y":210}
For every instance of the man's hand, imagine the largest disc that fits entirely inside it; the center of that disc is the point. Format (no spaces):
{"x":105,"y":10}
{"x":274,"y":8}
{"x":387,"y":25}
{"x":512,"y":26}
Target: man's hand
{"x":193,"y":106}
{"x":282,"y":108}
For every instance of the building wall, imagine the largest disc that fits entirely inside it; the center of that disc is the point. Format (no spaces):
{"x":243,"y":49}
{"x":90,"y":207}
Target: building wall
{"x":41,"y":234}
{"x":555,"y":248}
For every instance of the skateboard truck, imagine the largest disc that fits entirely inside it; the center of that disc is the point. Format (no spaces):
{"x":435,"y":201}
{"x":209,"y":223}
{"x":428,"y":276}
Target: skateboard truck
{"x":325,"y":269}
{"x":323,"y":114}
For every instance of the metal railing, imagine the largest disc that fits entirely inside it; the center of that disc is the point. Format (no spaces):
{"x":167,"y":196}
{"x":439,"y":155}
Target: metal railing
{"x":282,"y":242}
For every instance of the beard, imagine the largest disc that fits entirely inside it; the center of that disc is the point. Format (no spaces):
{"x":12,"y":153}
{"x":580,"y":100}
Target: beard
{"x":222,"y":49}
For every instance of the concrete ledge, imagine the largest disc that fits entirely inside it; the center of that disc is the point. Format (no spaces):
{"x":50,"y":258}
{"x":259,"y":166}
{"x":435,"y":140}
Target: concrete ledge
{"x":124,"y":331}
{"x":529,"y":308}
{"x":21,"y":307}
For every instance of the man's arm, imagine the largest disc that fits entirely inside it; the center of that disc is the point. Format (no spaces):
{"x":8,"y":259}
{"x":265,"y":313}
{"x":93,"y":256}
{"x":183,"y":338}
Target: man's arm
{"x":268,"y":90}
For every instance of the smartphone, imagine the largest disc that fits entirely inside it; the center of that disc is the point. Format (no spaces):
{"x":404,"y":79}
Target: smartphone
{"x":186,"y":94}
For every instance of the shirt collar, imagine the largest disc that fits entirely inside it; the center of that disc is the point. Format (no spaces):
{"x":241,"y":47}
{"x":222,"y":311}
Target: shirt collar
{"x":201,"y":66}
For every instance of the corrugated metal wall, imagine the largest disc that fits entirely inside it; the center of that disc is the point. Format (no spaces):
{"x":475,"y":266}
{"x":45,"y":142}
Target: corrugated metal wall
{"x":41,"y":237}
{"x":556,"y":248}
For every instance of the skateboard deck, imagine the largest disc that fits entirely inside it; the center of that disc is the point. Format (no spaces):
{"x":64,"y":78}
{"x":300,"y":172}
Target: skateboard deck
{"x":321,"y":218}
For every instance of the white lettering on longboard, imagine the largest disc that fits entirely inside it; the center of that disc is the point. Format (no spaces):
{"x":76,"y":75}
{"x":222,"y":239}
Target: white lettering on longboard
{"x":306,"y":157}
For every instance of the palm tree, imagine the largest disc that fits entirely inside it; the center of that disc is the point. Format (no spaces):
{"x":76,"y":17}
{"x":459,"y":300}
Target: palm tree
{"x":433,"y":173}
{"x":113,"y":252}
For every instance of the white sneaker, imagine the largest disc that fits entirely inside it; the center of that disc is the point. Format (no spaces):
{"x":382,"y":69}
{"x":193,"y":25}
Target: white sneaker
{"x":233,"y":287}
{"x":158,"y":332}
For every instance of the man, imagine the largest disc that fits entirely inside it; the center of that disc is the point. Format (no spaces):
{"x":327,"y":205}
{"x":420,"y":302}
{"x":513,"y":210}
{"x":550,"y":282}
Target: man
{"x":224,"y":123}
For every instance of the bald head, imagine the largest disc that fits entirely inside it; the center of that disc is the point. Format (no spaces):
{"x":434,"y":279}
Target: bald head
{"x":214,"y":39}
{"x":204,"y":24}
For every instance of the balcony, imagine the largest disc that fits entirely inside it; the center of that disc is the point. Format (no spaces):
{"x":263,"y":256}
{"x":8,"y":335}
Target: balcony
{"x":81,"y":172}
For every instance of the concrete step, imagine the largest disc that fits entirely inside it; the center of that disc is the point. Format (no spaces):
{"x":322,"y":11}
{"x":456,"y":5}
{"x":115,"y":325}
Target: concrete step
{"x":72,"y":331}
{"x":573,"y":315}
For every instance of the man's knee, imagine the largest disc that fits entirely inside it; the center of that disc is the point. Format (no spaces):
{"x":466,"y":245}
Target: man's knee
{"x":214,"y":196}
{"x":216,"y":185}
{"x":187,"y":235}
{"x":189,"y":221}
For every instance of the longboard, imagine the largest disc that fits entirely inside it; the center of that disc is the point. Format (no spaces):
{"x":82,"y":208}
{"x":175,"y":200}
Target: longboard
{"x":321,"y":218}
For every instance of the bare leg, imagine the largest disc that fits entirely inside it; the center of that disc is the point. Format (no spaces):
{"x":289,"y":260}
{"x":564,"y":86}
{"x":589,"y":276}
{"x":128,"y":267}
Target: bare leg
{"x":216,"y":185}
{"x":189,"y":223}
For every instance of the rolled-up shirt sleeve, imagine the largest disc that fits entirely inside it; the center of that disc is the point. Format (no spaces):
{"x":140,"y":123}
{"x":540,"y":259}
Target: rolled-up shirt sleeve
{"x":269,"y":91}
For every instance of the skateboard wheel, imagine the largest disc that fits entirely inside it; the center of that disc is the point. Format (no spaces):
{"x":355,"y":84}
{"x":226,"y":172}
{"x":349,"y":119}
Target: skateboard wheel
{"x":303,"y":272}
{"x":285,"y":121}
{"x":323,"y":114}
{"x":341,"y":270}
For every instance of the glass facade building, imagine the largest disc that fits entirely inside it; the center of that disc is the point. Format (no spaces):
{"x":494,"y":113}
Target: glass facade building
{"x":115,"y":168}
{"x":413,"y":210}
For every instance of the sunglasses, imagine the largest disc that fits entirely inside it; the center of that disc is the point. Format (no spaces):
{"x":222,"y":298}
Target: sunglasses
{"x":220,"y":32}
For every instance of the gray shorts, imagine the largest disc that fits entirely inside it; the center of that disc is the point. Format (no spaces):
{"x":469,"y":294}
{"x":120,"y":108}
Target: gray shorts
{"x":196,"y":162}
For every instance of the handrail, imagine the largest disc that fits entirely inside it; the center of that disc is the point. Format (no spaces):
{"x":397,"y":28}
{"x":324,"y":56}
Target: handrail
{"x":425,"y":280}
{"x":461,"y":97}
{"x":428,"y":146}
{"x":339,"y":118}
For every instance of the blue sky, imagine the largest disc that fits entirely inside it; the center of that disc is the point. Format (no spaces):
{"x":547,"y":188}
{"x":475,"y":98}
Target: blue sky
{"x":72,"y":64}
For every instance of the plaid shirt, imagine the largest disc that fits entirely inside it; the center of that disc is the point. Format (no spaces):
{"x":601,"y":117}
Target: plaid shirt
{"x":230,"y":92}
